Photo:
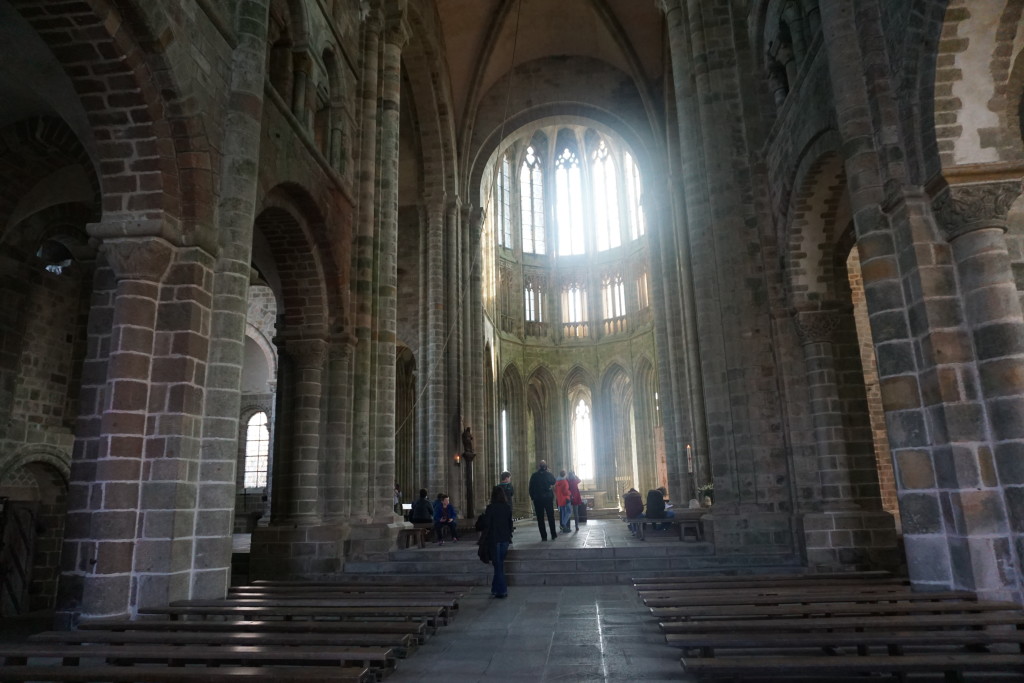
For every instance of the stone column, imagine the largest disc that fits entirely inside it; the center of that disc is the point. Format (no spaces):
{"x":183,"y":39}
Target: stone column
{"x":337,"y":459}
{"x":302,"y":481}
{"x":988,"y":479}
{"x":102,"y":543}
{"x":382,"y":471}
{"x":363,"y":267}
{"x":235,"y":212}
{"x":816,"y":330}
{"x":432,"y":376}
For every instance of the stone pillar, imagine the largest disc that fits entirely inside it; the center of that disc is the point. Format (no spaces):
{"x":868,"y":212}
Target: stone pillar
{"x":302,"y":482}
{"x":432,"y":376}
{"x":235,"y":212}
{"x":363,"y":267}
{"x":987,"y":481}
{"x":104,"y":546}
{"x":337,"y":457}
{"x":473,"y":349}
{"x":382,"y":474}
{"x":816,"y":330}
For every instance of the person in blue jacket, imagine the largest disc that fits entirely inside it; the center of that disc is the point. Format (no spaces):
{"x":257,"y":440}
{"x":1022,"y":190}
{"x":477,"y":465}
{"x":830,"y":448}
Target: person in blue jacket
{"x":445,"y":515}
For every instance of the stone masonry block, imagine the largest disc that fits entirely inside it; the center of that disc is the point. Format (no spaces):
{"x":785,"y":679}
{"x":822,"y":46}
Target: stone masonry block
{"x":1009,"y":459}
{"x":914,"y":469}
{"x":920,"y":513}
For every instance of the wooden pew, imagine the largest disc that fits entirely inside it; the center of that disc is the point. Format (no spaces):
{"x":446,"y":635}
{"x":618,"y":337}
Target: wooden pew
{"x":418,"y":630}
{"x":183,"y":674}
{"x":684,"y":520}
{"x":1002,"y":618}
{"x":432,"y":615}
{"x":355,"y":600}
{"x":829,"y":668}
{"x":767,"y":589}
{"x":894,"y":641}
{"x":413,"y":584}
{"x":710,"y":612}
{"x":695,"y":600}
{"x":751,"y":579}
{"x":206,"y":655}
{"x":401,"y":644}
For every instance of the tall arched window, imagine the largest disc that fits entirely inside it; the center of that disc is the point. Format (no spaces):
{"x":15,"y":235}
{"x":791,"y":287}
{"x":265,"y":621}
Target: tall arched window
{"x":633,"y":205}
{"x":583,"y":440}
{"x":257,"y":451}
{"x":606,"y":199}
{"x":569,"y":203}
{"x":531,"y":192}
{"x":574,"y":310}
{"x":504,"y":203}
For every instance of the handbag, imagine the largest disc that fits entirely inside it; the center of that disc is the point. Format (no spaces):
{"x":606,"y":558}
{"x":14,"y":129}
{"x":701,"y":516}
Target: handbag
{"x":483,"y":547}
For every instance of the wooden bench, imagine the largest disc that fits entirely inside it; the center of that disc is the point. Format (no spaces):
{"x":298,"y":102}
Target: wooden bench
{"x":767,"y":589}
{"x":805,"y":624}
{"x":710,"y":644}
{"x":830,"y":667}
{"x":769,"y":578}
{"x":415,"y":535}
{"x":345,"y":589}
{"x":805,"y":598}
{"x":402,"y":644}
{"x":431,"y":615}
{"x":206,"y":655}
{"x":183,"y":674}
{"x":684,"y":520}
{"x":711,"y":612}
{"x":417,"y":629}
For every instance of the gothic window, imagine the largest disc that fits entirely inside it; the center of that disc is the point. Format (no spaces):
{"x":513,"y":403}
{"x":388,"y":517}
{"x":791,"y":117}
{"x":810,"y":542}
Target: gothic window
{"x":569,"y":201}
{"x":633,"y":207}
{"x":583,"y":439}
{"x":504,"y":203}
{"x":534,"y":303}
{"x":614,"y":294}
{"x":574,"y":311}
{"x":257,"y":451}
{"x":643,"y":299}
{"x":606,"y":199}
{"x":531,"y":193}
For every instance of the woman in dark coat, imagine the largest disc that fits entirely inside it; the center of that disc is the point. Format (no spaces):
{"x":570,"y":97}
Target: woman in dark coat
{"x":498,"y":531}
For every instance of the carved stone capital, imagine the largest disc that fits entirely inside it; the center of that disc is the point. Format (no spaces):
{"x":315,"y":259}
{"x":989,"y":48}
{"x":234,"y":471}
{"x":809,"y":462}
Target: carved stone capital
{"x":307,"y":353}
{"x":814,"y":327}
{"x":396,"y":29}
{"x":960,"y":209}
{"x":667,"y":6}
{"x":138,"y":258}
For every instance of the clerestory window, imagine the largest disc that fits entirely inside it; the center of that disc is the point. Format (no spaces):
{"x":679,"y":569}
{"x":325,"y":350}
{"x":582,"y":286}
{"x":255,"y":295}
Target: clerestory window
{"x":257,"y":451}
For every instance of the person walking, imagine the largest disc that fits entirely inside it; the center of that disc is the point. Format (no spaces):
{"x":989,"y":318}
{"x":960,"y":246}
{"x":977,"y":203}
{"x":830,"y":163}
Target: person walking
{"x":506,"y":486}
{"x":541,"y":484}
{"x":497,"y":529}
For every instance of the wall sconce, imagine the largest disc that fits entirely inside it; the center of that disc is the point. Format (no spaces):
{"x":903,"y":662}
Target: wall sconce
{"x":458,"y":459}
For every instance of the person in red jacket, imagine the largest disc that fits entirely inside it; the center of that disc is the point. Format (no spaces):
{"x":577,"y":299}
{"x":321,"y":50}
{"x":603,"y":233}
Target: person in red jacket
{"x":575,"y":499}
{"x":562,"y":499}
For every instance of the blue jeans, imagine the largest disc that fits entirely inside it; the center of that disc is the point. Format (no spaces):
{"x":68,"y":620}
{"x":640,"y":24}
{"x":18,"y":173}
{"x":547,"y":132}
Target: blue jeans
{"x":668,"y":515}
{"x":566,"y":512}
{"x":498,"y":583}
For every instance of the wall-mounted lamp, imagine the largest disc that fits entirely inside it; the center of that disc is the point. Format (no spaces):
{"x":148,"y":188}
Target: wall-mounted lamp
{"x":458,"y":459}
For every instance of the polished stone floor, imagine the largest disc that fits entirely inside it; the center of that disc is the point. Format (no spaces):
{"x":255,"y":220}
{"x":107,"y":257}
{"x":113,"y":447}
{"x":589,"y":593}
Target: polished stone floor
{"x":547,"y":633}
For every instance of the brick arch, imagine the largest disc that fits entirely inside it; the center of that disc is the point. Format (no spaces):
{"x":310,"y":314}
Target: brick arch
{"x":31,"y":150}
{"x":62,"y":222}
{"x":307,"y":262}
{"x":151,"y":157}
{"x":51,"y":458}
{"x":809,"y":240}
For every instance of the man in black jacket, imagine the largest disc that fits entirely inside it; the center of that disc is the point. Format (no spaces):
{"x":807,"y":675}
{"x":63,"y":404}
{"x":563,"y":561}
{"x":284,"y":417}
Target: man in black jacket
{"x":542,"y":493}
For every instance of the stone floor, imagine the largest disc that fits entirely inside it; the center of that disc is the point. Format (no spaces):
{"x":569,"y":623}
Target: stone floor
{"x":547,"y":633}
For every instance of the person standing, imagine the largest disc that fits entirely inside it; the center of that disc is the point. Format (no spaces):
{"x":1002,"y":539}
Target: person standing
{"x":506,"y":486}
{"x":497,"y":528}
{"x":562,"y":500}
{"x":541,"y":484}
{"x":575,"y":499}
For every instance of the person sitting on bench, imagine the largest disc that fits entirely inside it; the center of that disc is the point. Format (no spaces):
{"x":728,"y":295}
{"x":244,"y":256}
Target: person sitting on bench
{"x":422,"y":511}
{"x":445,"y":515}
{"x":633,"y":503}
{"x":656,"y":508}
